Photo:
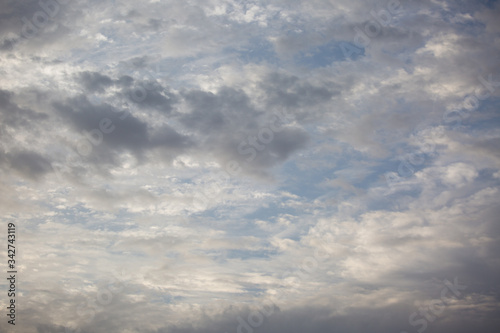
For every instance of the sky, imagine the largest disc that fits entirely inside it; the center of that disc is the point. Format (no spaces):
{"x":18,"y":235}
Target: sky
{"x":250,"y":166}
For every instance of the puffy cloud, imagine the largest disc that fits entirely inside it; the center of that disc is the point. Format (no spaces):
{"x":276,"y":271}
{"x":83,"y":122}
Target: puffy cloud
{"x":229,"y":166}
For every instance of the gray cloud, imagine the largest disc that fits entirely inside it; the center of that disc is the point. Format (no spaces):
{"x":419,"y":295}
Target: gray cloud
{"x":14,"y":116}
{"x":152,"y":95}
{"x":125,"y":131}
{"x":228,"y":122}
{"x":95,"y":82}
{"x":18,"y":157}
{"x":29,"y":164}
{"x":142,"y":106}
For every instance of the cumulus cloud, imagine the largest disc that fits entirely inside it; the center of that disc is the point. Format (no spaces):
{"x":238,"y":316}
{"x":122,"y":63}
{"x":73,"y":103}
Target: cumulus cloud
{"x":244,"y":166}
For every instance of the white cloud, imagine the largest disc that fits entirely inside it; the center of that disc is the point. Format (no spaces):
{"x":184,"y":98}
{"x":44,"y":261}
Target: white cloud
{"x":193,"y":90}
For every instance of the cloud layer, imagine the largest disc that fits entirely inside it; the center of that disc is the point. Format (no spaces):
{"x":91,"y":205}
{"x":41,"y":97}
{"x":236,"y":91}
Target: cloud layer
{"x":252,"y":166}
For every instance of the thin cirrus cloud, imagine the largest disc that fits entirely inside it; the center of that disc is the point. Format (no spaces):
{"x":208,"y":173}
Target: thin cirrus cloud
{"x":247,"y":166}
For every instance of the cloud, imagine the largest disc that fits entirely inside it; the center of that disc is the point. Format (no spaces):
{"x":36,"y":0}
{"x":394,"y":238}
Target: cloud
{"x":28,"y":164}
{"x":95,"y":82}
{"x":170,"y":166}
{"x":14,"y":116}
{"x":112,"y":130}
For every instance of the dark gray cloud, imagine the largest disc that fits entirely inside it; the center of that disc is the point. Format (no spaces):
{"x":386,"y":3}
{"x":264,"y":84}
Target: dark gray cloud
{"x":13,"y":116}
{"x":144,"y":93}
{"x":94,"y":82}
{"x":7,"y":44}
{"x":28,"y":164}
{"x":20,"y":158}
{"x":283,"y":145}
{"x":221,"y":124}
{"x":113,"y":130}
{"x":125,"y":81}
{"x":35,"y":23}
{"x":313,"y":319}
{"x":150,"y":94}
{"x":228,"y":124}
{"x":228,"y":111}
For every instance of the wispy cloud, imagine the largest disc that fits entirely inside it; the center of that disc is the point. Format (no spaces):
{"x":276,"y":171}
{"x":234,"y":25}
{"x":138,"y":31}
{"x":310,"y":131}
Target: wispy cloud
{"x":244,"y":166}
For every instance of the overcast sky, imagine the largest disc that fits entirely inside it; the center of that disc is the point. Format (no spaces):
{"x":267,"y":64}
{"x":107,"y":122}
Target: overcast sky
{"x":220,"y":166}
